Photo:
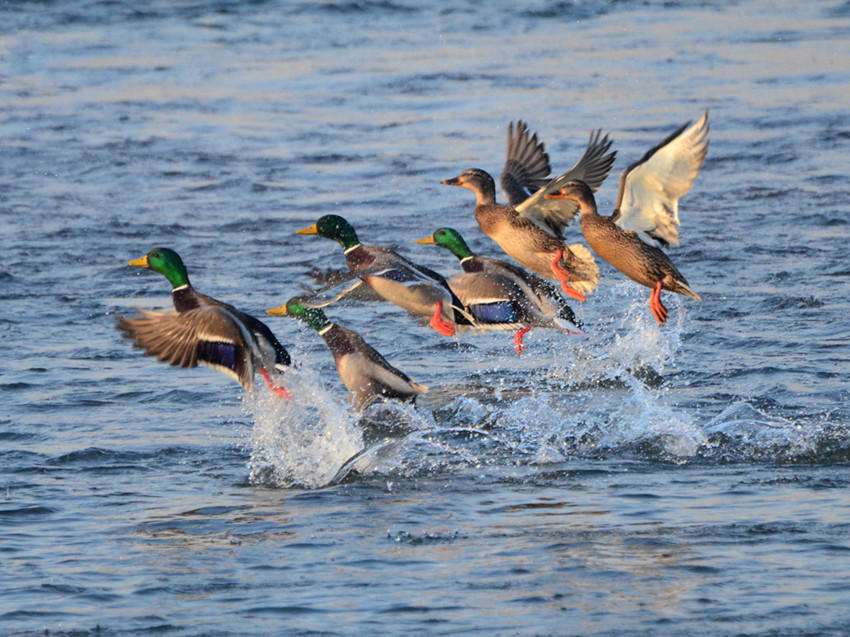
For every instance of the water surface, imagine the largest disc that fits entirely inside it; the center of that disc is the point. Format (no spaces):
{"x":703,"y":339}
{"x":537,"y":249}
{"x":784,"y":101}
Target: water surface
{"x":632,"y":481}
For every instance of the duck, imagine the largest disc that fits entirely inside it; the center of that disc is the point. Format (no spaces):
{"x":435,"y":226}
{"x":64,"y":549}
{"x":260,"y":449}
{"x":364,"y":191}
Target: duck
{"x":533,"y":301}
{"x":495,"y":303}
{"x":529,"y":228}
{"x":362,"y":369}
{"x":203,"y":330}
{"x":646,"y":216}
{"x":417,"y":289}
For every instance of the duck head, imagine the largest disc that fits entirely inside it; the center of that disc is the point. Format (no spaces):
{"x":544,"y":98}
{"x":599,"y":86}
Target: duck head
{"x":313,"y":316}
{"x":333,"y":227}
{"x":451,"y":240}
{"x":167,"y":262}
{"x":478,"y":181}
{"x":574,"y":189}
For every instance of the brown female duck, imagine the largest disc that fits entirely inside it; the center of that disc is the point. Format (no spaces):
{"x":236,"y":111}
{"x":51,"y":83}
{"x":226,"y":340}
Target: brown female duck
{"x":646,"y":214}
{"x":530,"y":228}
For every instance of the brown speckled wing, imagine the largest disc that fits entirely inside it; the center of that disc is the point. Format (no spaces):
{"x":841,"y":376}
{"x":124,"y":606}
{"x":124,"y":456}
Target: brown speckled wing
{"x":207,"y":335}
{"x":527,"y":165}
{"x":553,"y":215}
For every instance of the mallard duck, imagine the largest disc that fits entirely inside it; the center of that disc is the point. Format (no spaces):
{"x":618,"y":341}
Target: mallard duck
{"x":366,"y":374}
{"x":647,"y":213}
{"x":530,"y":228}
{"x":203,"y":330}
{"x":533,"y":301}
{"x":417,"y":289}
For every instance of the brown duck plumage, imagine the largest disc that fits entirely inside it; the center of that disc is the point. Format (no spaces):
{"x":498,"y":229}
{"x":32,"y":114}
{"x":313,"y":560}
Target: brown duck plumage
{"x":647,"y":213}
{"x":530,"y":229}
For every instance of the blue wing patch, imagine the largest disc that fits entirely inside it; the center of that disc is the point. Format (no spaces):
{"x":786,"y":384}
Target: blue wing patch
{"x":498,"y":312}
{"x":219,"y":354}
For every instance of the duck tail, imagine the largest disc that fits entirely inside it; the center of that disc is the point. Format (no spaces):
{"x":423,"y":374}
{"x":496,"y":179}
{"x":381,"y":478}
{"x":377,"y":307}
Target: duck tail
{"x":566,"y":319}
{"x":586,"y":276}
{"x":682,"y":288}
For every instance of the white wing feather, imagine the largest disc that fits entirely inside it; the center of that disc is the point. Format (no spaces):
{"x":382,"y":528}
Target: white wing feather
{"x":648,"y":201}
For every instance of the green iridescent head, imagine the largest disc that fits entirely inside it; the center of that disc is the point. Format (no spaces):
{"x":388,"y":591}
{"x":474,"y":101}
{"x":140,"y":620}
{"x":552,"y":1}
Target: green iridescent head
{"x":167,"y":262}
{"x":451,"y":240}
{"x":333,"y":227}
{"x":312,"y":316}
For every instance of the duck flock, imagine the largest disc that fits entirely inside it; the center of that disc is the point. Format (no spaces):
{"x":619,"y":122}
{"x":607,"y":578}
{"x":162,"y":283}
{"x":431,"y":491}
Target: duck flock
{"x":489,"y":294}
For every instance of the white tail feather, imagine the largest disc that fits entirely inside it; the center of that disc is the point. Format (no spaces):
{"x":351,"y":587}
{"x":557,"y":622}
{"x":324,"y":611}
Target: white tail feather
{"x":589,"y":273}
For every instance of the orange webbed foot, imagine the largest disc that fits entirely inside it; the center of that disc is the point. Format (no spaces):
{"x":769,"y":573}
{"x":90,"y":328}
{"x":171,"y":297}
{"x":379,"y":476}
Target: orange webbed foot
{"x":518,"y":344}
{"x":277,"y":389}
{"x":561,"y":273}
{"x":659,"y":311}
{"x":571,"y":291}
{"x":440,"y":326}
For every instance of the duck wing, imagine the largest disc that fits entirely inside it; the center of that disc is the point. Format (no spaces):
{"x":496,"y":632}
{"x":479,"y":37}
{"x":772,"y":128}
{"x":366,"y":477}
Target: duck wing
{"x":526,"y":164}
{"x":332,"y":294}
{"x":418,"y":278}
{"x":493,"y":300}
{"x":390,"y":266}
{"x":389,"y":260}
{"x":648,"y":200}
{"x":553,"y":215}
{"x":266,"y":346}
{"x":208,"y":335}
{"x":269,"y":347}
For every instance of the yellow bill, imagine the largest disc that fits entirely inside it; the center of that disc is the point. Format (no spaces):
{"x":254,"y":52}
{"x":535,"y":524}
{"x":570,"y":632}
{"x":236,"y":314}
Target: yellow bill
{"x":311,"y":230}
{"x":140,"y":263}
{"x":278,"y":311}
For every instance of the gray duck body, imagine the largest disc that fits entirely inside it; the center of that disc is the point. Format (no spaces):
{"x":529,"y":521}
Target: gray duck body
{"x":545,"y":297}
{"x":364,"y":371}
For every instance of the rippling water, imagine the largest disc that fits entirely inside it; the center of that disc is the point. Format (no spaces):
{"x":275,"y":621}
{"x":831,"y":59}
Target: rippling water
{"x":634,"y":480}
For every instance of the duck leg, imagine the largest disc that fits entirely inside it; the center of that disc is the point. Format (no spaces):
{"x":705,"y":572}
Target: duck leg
{"x":277,"y":389}
{"x":564,"y":276}
{"x":655,"y":304}
{"x":518,"y":345}
{"x":438,"y":324}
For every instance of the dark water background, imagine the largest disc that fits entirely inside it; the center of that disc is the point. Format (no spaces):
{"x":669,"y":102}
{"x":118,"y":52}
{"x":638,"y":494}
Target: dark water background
{"x":633,"y":481}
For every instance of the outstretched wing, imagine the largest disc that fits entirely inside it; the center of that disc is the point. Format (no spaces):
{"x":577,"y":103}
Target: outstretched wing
{"x":332,"y":294}
{"x":648,"y":201}
{"x":553,"y":215}
{"x":526,"y":164}
{"x":208,"y":335}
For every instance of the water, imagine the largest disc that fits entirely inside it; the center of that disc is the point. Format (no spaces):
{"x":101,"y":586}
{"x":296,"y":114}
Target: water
{"x":633,"y":481}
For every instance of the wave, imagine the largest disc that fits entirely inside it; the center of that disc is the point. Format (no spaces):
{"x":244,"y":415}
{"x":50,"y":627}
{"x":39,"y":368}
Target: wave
{"x":607,"y":395}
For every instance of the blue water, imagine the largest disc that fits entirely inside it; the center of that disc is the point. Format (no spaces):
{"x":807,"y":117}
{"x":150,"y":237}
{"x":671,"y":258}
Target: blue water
{"x":632,"y":481}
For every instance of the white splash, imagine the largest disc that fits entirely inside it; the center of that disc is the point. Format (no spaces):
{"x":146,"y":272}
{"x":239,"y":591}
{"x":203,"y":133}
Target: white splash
{"x":303,"y":441}
{"x":608,"y":398}
{"x":753,"y":431}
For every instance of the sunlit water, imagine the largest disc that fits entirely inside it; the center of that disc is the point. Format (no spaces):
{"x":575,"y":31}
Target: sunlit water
{"x":630,"y":481}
